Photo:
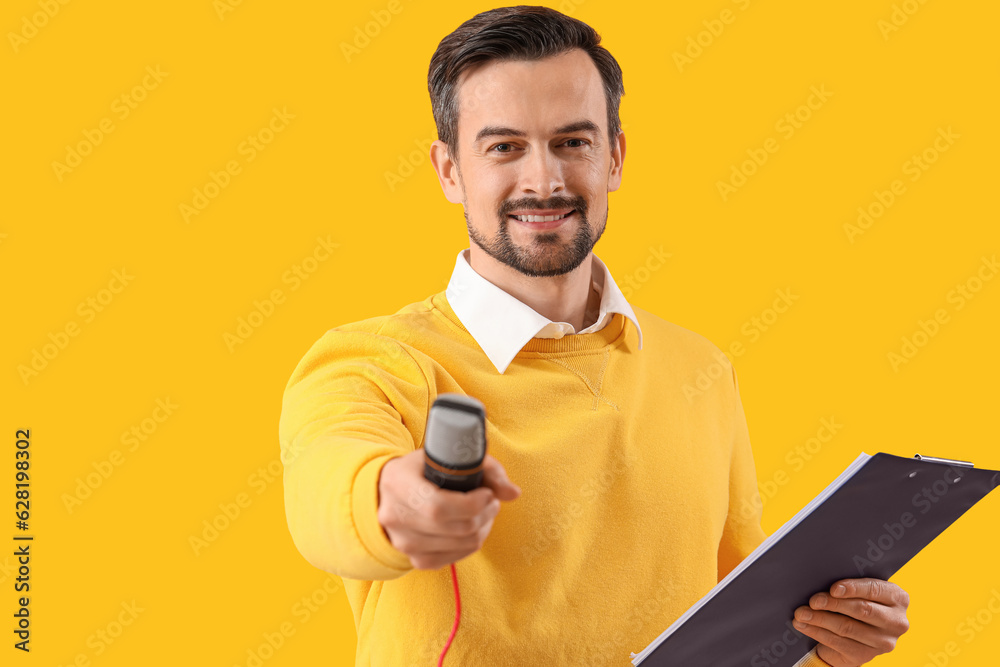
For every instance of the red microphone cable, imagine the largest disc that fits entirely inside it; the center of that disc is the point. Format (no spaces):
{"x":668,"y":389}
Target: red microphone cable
{"x":458,"y":615}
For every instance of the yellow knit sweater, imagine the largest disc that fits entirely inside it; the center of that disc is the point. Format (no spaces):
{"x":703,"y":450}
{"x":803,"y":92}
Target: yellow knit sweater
{"x":634,"y":496}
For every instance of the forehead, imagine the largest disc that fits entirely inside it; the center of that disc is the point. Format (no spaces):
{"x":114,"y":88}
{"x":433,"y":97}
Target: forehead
{"x":533,"y":95}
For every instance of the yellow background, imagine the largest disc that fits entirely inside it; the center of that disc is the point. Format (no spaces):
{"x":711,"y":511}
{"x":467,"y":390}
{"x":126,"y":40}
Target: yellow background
{"x":324,"y":176}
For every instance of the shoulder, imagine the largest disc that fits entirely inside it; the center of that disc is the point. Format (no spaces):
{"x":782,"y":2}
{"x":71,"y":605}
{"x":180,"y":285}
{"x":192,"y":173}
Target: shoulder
{"x":383,"y":341}
{"x":673,"y":339}
{"x":407,"y":325}
{"x":696,"y":366}
{"x":410,"y":316}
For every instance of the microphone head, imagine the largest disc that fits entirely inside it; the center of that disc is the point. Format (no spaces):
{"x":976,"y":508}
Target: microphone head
{"x":455,"y":442}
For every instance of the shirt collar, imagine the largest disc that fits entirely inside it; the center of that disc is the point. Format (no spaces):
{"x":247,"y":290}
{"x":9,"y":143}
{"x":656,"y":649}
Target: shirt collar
{"x":501,"y":324}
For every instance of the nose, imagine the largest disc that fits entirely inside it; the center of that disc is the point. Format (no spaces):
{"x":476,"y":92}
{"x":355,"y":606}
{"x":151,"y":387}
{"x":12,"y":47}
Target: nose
{"x":542,"y":173}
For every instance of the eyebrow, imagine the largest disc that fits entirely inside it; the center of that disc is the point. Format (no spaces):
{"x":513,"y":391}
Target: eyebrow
{"x":499,"y":131}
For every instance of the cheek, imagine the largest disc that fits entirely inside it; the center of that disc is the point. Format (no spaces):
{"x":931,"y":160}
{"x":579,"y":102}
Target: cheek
{"x":591,"y":175}
{"x":492,"y":189}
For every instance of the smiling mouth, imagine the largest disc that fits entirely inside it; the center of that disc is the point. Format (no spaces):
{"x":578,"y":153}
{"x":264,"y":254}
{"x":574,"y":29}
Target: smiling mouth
{"x":541,"y":218}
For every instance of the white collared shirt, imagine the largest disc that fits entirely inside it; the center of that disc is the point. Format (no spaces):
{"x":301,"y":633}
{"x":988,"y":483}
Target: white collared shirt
{"x":502,"y":324}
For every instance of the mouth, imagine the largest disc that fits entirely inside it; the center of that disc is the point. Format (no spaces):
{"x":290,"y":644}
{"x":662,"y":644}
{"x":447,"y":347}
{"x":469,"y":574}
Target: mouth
{"x":542,"y":221}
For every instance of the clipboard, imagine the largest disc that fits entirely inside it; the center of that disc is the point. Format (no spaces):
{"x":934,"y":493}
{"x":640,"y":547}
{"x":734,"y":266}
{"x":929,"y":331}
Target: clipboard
{"x":869,"y":522}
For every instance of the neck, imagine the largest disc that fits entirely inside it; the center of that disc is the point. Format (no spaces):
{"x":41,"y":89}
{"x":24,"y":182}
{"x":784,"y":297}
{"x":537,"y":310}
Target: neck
{"x":564,"y":298}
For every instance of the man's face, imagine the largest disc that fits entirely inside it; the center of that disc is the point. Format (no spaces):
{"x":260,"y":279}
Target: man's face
{"x":533,"y":139}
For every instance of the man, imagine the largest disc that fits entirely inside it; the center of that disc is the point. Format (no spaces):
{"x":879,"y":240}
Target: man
{"x":627,"y":507}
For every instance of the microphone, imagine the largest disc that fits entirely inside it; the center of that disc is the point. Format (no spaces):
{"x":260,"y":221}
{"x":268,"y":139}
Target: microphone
{"x":455,"y":442}
{"x":454,"y":450}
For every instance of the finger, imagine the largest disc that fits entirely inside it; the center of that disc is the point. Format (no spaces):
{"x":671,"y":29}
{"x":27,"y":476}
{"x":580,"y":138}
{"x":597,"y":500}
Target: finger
{"x":440,"y":504}
{"x":855,"y":633}
{"x":413,"y":543}
{"x":409,"y":476}
{"x":447,"y":505}
{"x":495,"y":477}
{"x":866,"y":611}
{"x":468,"y":542}
{"x":877,"y":590}
{"x":428,"y":513}
{"x":437,"y":559}
{"x":455,"y":528}
{"x":847,"y":651}
{"x":447,"y":515}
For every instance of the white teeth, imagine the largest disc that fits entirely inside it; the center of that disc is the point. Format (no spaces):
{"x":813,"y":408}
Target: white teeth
{"x":540,"y":218}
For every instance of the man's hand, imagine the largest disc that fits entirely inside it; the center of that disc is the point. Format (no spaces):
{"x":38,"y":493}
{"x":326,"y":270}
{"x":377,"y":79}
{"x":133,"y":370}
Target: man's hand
{"x":856,"y":621}
{"x":435,"y":526}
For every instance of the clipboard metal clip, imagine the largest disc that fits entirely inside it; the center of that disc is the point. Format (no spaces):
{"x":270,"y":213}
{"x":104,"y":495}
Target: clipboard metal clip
{"x":935,"y":459}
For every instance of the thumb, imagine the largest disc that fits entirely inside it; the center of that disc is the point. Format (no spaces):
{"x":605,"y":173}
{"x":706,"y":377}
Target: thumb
{"x":495,"y":477}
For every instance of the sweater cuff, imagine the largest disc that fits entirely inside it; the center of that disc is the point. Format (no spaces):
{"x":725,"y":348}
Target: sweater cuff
{"x":364,"y":507}
{"x":810,"y":659}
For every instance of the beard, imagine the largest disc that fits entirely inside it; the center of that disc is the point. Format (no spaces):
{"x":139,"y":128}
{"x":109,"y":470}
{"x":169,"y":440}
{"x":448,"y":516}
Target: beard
{"x":547,"y":254}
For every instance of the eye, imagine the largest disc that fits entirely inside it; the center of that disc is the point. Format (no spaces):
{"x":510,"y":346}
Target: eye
{"x":494,"y":149}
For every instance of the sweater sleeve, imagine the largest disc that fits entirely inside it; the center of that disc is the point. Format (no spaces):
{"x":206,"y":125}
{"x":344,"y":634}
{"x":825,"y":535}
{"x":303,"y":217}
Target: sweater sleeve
{"x":742,"y":532}
{"x":355,"y":401}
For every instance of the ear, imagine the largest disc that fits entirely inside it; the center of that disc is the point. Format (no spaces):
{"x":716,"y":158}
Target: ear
{"x":447,"y":172}
{"x":617,"y":163}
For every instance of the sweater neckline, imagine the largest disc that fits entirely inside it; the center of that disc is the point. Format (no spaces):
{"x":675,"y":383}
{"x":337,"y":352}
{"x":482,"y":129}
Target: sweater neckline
{"x":612,"y":335}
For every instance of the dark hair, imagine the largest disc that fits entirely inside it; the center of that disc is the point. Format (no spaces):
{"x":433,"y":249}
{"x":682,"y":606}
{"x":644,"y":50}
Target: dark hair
{"x":514,"y":33}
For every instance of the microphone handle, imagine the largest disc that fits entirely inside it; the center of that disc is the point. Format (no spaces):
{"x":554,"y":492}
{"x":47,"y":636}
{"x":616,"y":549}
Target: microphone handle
{"x":453,"y":479}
